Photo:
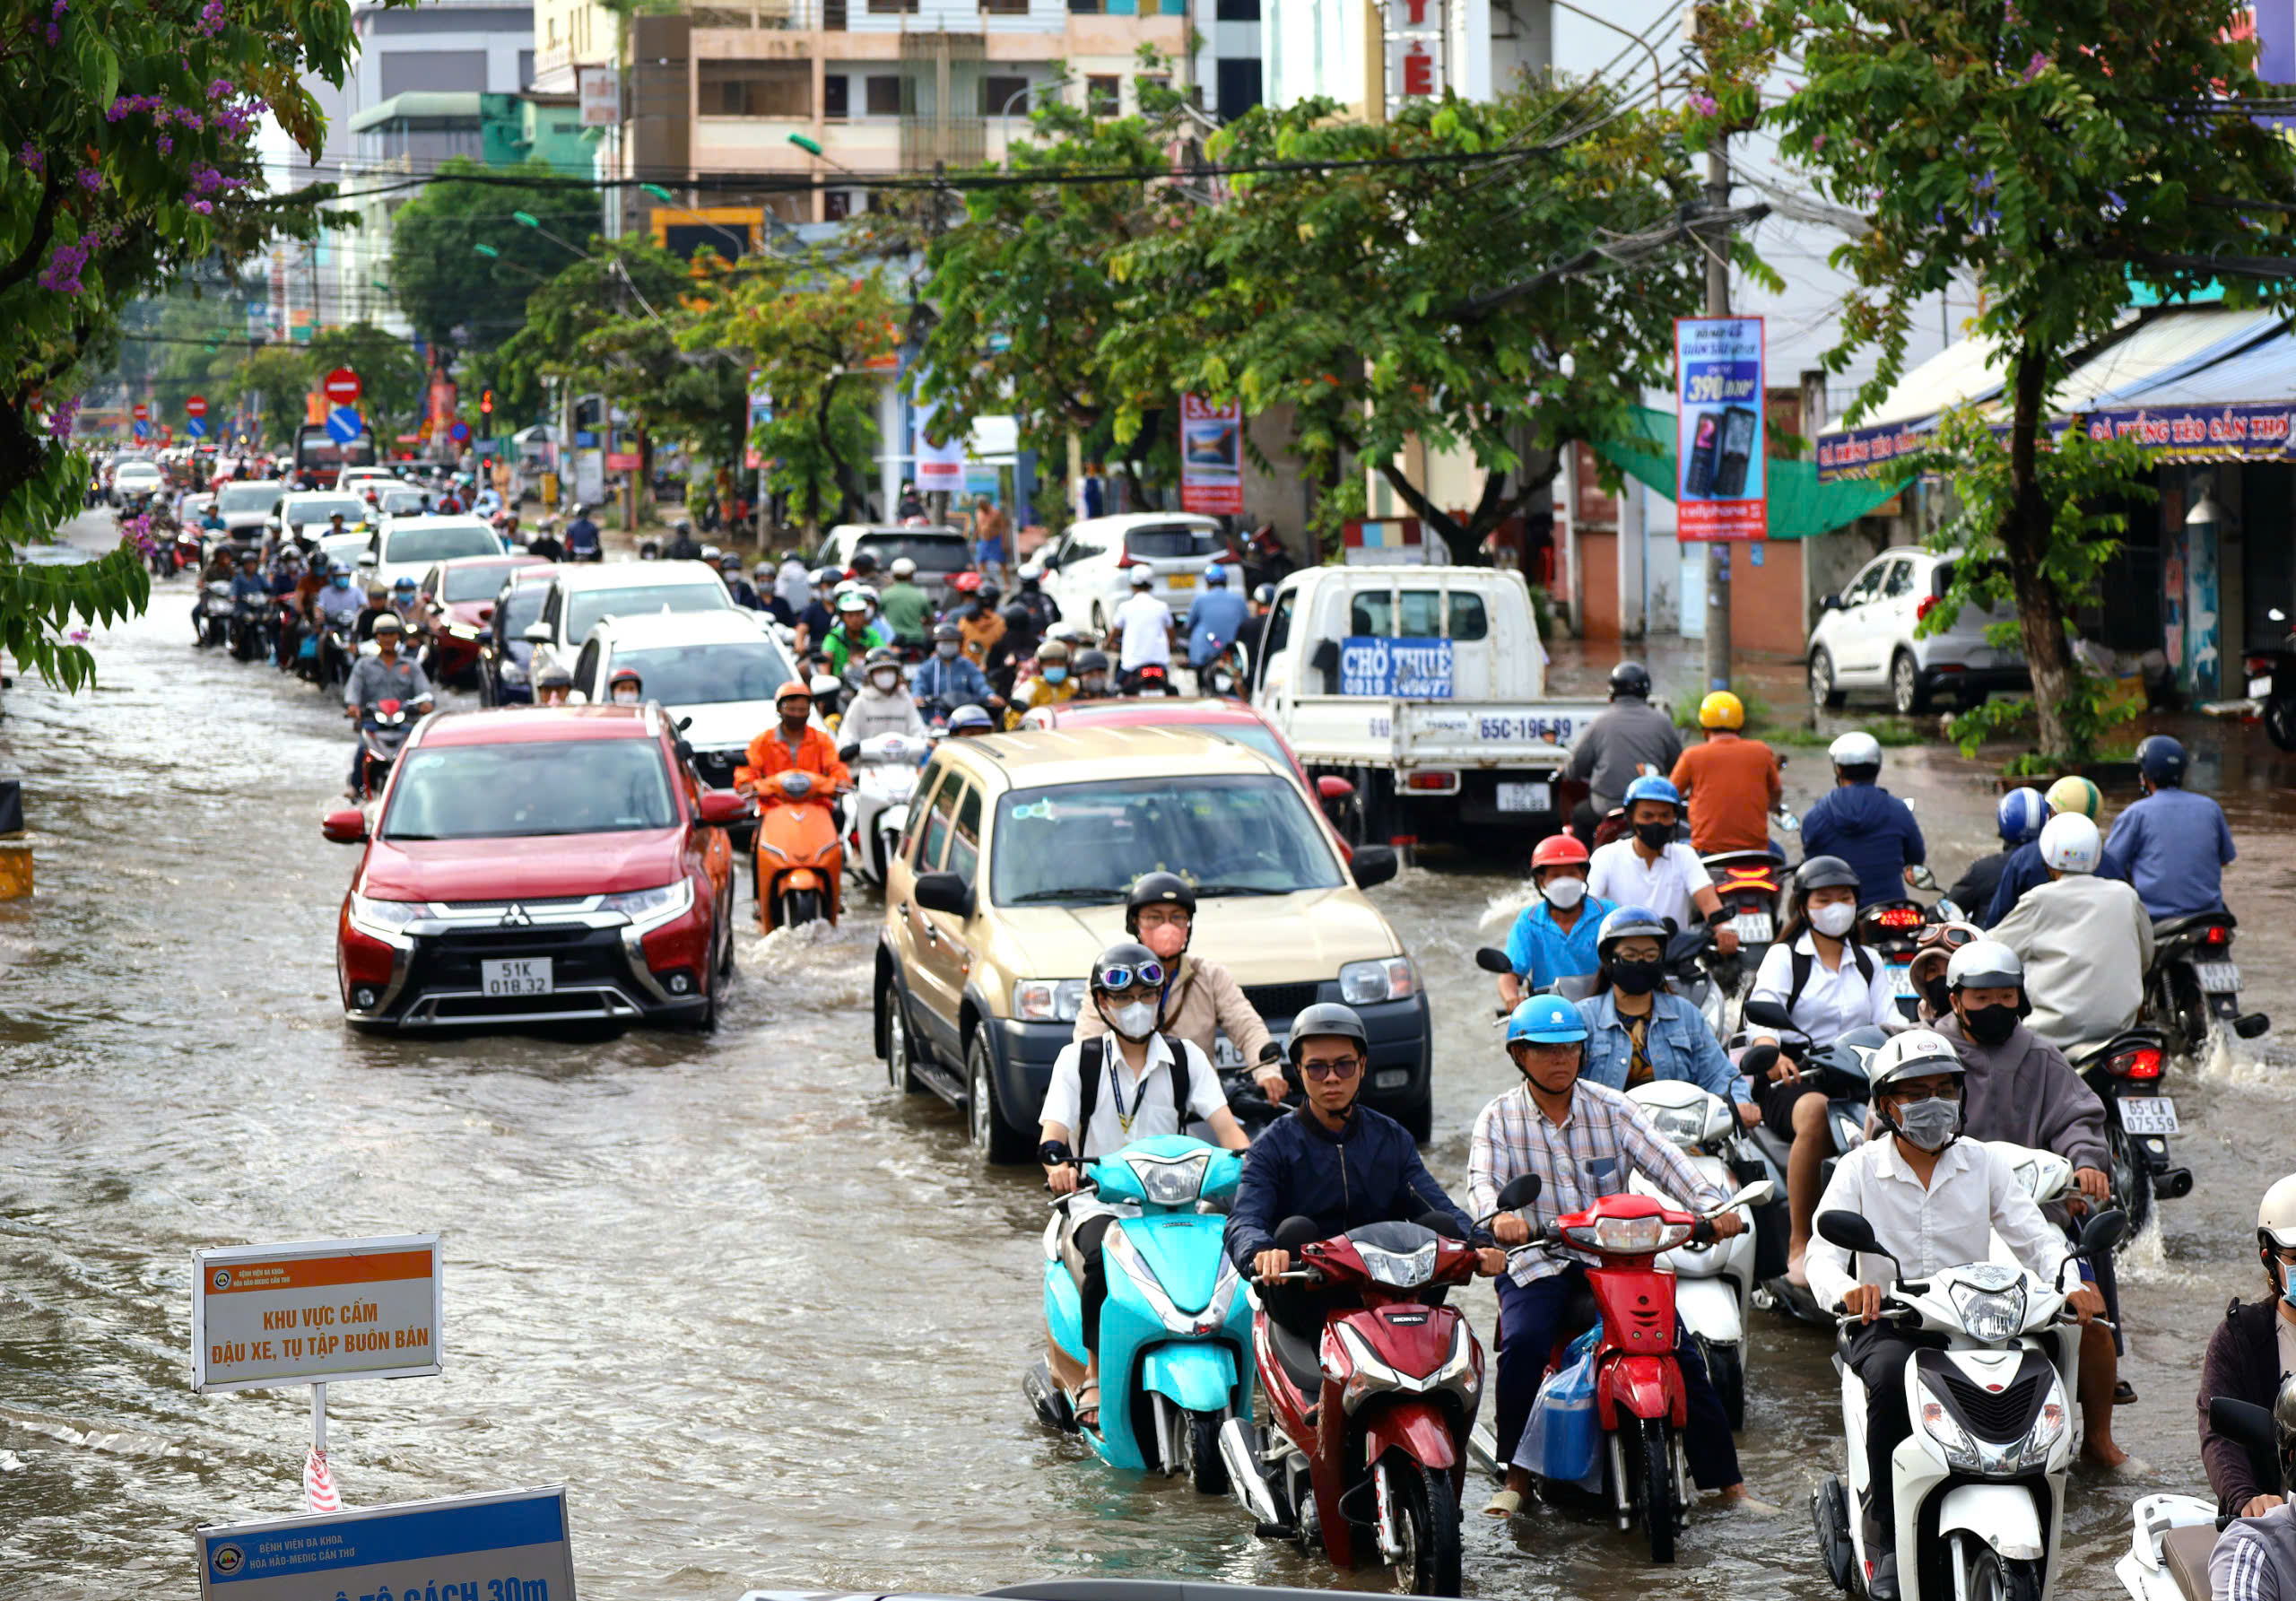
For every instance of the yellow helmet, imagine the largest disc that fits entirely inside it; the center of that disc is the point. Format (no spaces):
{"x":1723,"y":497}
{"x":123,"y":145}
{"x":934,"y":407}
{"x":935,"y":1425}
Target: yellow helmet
{"x":2076,"y":795}
{"x":1721,"y":710}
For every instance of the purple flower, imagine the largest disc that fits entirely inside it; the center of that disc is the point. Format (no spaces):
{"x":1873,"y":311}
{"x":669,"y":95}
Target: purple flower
{"x":211,"y":19}
{"x":166,"y":144}
{"x":1702,"y":103}
{"x":54,"y":33}
{"x":79,"y":636}
{"x":31,"y":156}
{"x":1817,"y":143}
{"x":2036,"y":67}
{"x":90,"y":179}
{"x":61,"y":273}
{"x":219,"y":89}
{"x":59,"y":421}
{"x":204,"y":208}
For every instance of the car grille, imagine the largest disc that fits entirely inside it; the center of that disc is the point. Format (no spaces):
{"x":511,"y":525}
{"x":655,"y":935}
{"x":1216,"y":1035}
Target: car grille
{"x":1281,"y":1000}
{"x":578,"y":956}
{"x":2000,"y":1415}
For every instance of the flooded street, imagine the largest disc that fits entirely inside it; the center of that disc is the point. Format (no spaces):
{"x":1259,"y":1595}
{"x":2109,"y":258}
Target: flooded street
{"x":762,"y":1314}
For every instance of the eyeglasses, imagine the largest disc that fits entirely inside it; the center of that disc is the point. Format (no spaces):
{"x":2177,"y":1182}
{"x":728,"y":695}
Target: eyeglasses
{"x":1913,"y":1098}
{"x":1151,"y":973}
{"x":1340,"y":1069}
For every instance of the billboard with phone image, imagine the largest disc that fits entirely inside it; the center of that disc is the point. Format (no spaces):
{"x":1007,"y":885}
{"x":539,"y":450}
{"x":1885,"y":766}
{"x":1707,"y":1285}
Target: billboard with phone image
{"x":1720,"y":482}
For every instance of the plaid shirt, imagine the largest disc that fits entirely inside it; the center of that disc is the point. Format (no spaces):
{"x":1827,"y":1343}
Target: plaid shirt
{"x":1588,"y":1155}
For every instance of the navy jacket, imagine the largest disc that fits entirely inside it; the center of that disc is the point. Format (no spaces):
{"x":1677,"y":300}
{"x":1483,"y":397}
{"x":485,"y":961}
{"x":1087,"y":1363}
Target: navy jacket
{"x":1870,"y":829}
{"x":2025,"y":870}
{"x":1369,"y":1172}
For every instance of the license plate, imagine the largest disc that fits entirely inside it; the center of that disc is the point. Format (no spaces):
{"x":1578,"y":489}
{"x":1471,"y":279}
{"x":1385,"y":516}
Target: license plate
{"x":1224,"y":1054}
{"x":1525,"y":798}
{"x":1752,"y":927}
{"x":525,"y":975}
{"x":1180,"y":581}
{"x":2261,"y":687}
{"x":2149,"y":1114}
{"x":1902,"y":975}
{"x":2218,"y":978}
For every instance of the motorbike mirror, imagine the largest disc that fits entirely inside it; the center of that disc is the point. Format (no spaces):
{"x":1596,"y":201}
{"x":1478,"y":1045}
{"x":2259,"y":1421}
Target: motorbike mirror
{"x":684,"y":724}
{"x":1519,"y":1192}
{"x":2250,"y":1427}
{"x":1335,"y":789}
{"x":1440,"y":1223}
{"x":1923,"y":878}
{"x":1788,"y":823}
{"x":1851,"y":1232}
{"x":1769,"y":1014}
{"x":1760,"y":1193}
{"x":347,"y":825}
{"x":2103,"y":1231}
{"x":825,"y":685}
{"x":1374,"y":865}
{"x":2277,"y":616}
{"x":1491,"y":959}
{"x":1949,"y":910}
{"x":1295,"y":1231}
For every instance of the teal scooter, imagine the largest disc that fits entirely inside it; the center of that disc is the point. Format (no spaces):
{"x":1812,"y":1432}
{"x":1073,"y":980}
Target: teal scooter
{"x":1176,"y":1330}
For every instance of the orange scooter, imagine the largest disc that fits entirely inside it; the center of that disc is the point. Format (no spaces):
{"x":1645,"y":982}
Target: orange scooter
{"x":800,"y":865}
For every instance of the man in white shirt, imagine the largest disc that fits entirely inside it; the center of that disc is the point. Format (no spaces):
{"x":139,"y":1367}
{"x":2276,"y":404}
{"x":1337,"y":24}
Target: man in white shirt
{"x":1130,"y":1083}
{"x":1142,"y":627}
{"x":1650,"y":868}
{"x":2086,"y":942}
{"x":1935,"y":1201}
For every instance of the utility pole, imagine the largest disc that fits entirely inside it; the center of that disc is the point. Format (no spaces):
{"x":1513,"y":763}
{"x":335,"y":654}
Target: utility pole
{"x":1717,"y":304}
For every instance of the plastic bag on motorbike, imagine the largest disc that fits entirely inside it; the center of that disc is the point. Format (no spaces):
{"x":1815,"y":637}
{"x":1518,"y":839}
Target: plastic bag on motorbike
{"x":1563,"y":1441}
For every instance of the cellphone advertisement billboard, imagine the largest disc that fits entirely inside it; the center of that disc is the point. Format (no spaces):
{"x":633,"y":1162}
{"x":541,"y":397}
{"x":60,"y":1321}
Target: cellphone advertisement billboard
{"x":1721,"y":489}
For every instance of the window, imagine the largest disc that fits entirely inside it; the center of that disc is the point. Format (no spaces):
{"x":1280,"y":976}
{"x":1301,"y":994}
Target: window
{"x":1900,"y":581}
{"x":1238,"y":80}
{"x":937,"y":826}
{"x":1085,"y":7}
{"x":526,"y":68}
{"x":964,"y":845}
{"x":757,"y":89}
{"x":998,"y":93}
{"x":710,"y":675}
{"x":1103,"y":96}
{"x":884,"y":89}
{"x":1279,"y":627}
{"x":589,"y":605}
{"x":1237,"y":11}
{"x":1418,"y":616}
{"x":888,"y":8}
{"x":836,"y":204}
{"x":835,"y":87}
{"x":1168,"y":542}
{"x":918,"y":813}
{"x":1005,"y":8}
{"x":1868,"y":583}
{"x":434,"y":72}
{"x":510,"y":791}
{"x":586,"y":670}
{"x":1084,"y":844}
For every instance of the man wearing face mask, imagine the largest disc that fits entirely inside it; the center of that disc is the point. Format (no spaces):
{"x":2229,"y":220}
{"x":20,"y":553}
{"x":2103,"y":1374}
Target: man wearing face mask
{"x":1650,"y":868}
{"x":793,"y":743}
{"x":1101,"y":1099}
{"x":1091,"y":674}
{"x":883,"y":706}
{"x":949,"y":679}
{"x":1935,"y":1200}
{"x":1636,"y":1031}
{"x":1933,"y":950}
{"x":625,"y":686}
{"x":1051,"y":684}
{"x":1555,"y":936}
{"x":1201,"y":999}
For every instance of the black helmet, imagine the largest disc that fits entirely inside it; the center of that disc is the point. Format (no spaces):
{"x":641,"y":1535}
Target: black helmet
{"x":1157,"y":889}
{"x":884,"y":655}
{"x":988,"y":596}
{"x":969,"y":718}
{"x":1631,"y":678}
{"x":1631,"y":922}
{"x":1127,"y":959}
{"x":1824,"y":873}
{"x":1091,"y":661}
{"x":1018,"y":616}
{"x":2162,"y":760}
{"x":946,"y":631}
{"x":864,"y":561}
{"x":1324,"y":1020}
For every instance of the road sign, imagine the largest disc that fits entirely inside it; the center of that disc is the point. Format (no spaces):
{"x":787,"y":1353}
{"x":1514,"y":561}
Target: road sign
{"x":459,"y":434}
{"x":342,"y":386}
{"x":263,"y":1315}
{"x":142,"y":428}
{"x":142,"y":411}
{"x":513,"y":1543}
{"x":195,"y":407}
{"x":342,"y":424}
{"x":196,"y":428}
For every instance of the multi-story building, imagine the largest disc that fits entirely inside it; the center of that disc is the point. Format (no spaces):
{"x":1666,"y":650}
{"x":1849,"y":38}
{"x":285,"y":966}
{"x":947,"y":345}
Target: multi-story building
{"x":1373,"y":53}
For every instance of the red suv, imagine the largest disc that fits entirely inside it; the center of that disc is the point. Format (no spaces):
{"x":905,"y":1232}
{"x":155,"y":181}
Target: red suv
{"x":550,"y":865}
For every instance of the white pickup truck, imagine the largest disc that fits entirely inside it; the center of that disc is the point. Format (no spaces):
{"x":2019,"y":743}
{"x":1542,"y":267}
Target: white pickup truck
{"x":1425,"y":687}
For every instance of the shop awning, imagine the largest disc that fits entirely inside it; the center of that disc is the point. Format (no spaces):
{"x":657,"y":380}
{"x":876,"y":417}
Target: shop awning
{"x":2170,"y":345}
{"x":1968,"y":370}
{"x":1800,"y":506}
{"x":2262,"y":371}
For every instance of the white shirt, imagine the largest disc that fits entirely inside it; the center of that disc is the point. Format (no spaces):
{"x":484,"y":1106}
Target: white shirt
{"x":1948,"y":1225}
{"x":1615,"y":873}
{"x":1145,"y":621}
{"x":1151,"y":1094}
{"x":1835,"y":1000}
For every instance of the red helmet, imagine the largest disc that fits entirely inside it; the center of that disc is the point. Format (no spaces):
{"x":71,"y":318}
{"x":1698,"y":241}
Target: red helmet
{"x":965,"y":583}
{"x":1557,"y":850}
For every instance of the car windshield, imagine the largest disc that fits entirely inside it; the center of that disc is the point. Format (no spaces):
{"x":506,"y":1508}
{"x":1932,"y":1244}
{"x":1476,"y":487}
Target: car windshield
{"x":396,"y":501}
{"x":522,"y":610}
{"x":441,"y":544}
{"x":509,"y":791}
{"x":477,"y":582}
{"x":1252,"y":737}
{"x":1084,"y":844}
{"x":1166,"y":542}
{"x":706,"y":675}
{"x":934,"y":552}
{"x":247,"y":497}
{"x":344,"y":547}
{"x":586,"y":607}
{"x":317,"y":508}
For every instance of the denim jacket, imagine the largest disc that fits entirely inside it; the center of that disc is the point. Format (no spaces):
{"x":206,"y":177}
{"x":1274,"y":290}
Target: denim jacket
{"x":1678,"y":1042}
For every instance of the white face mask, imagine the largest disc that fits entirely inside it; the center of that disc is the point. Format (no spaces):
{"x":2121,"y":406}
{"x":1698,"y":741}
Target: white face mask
{"x":1834,"y":920}
{"x":1134,"y":1021}
{"x":625,"y":697}
{"x":1565,"y":893}
{"x":885,"y":681}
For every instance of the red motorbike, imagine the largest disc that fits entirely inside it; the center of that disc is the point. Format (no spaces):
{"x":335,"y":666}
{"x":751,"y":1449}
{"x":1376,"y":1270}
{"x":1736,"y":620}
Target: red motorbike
{"x":1364,"y":1446}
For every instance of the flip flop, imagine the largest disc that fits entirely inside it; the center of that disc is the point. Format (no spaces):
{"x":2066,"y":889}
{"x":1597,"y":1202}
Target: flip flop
{"x":1505,"y":1503}
{"x":1088,"y":1406}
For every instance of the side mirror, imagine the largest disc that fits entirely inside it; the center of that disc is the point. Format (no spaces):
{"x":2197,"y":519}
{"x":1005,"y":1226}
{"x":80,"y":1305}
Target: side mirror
{"x":1851,"y":1232}
{"x":1520,"y":1192}
{"x":2102,"y":1231}
{"x":1332,"y":789}
{"x":537,"y":633}
{"x":944,"y":892}
{"x":1760,"y":1193}
{"x":1830,"y":602}
{"x":2250,"y":1427}
{"x":723,"y":807}
{"x":1440,"y":1223}
{"x":486,"y":614}
{"x":1949,"y":910}
{"x":847,"y":752}
{"x":1923,"y":878}
{"x":1491,"y":959}
{"x":1295,"y":1231}
{"x":825,"y":684}
{"x":1769,"y":1014}
{"x":347,"y":825}
{"x":1374,"y":865}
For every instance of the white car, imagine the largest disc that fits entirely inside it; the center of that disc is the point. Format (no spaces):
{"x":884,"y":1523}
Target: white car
{"x":245,"y":509}
{"x":135,"y":481}
{"x":410,"y":546}
{"x":940,"y":552}
{"x":306,"y":514}
{"x":354,"y":480}
{"x":1087,"y":574}
{"x":715,"y":673}
{"x":582,"y":596}
{"x":1865,"y":640}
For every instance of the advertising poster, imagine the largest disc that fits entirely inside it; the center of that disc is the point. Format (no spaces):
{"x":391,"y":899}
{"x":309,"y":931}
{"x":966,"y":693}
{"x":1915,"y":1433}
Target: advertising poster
{"x":1212,"y":457}
{"x":314,"y":1312}
{"x":1719,"y":457}
{"x":1412,"y":669}
{"x":511,"y":1545}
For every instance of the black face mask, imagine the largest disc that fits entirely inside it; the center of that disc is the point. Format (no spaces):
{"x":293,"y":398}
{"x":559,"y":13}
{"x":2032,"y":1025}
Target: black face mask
{"x":1940,"y":998}
{"x":1656,"y":836}
{"x":1991,"y":1026}
{"x":1635,"y":977}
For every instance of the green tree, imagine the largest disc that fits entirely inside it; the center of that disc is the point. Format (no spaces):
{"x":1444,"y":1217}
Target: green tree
{"x":394,"y":384}
{"x":458,"y":298}
{"x":2052,"y":151}
{"x":278,"y":376}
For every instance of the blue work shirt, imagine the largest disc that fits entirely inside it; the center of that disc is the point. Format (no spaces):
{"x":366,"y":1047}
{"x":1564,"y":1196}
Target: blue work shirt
{"x":939,"y":686}
{"x":1677,"y":1042}
{"x":581,"y":536}
{"x":1216,"y":614}
{"x":1870,"y":829}
{"x":1540,"y":952}
{"x":2025,"y":870}
{"x":2176,"y":844}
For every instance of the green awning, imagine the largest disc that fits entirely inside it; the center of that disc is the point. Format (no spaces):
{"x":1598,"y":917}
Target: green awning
{"x":1800,"y":506}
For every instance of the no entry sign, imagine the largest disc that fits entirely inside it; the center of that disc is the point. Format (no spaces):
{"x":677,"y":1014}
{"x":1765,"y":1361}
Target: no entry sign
{"x":142,"y":411}
{"x":196,"y":406}
{"x":342,"y":386}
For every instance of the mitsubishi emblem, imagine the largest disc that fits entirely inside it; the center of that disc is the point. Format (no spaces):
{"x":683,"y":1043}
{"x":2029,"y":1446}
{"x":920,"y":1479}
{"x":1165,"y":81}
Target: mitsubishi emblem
{"x":515,"y":917}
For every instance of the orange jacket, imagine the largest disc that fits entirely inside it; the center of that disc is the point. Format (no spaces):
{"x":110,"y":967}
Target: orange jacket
{"x":816,"y":753}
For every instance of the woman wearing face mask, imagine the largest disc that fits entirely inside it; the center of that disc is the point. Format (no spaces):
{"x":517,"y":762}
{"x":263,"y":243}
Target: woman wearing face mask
{"x":1636,"y":1030}
{"x":1201,"y":999}
{"x":625,"y":687}
{"x":883,"y":706}
{"x":1555,"y":936}
{"x":1052,"y":684}
{"x":2250,"y":1350}
{"x":1829,"y":984}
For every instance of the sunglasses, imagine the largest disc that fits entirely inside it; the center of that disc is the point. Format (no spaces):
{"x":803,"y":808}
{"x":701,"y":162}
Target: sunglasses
{"x":1341,"y":1068}
{"x":1150,"y":973}
{"x":1908,"y":1098}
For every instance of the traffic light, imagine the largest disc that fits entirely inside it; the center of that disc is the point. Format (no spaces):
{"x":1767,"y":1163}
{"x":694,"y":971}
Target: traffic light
{"x":486,"y":403}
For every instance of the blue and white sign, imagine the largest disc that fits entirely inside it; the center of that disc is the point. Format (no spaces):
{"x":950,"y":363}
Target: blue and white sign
{"x":1719,"y":485}
{"x":142,"y":428}
{"x":459,"y":434}
{"x":1410,"y":669}
{"x":511,"y":1545}
{"x":196,"y":427}
{"x":343,"y":424}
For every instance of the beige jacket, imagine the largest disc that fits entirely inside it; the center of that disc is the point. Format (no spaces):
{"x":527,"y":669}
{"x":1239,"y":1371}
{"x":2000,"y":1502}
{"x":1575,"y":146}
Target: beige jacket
{"x":1201,"y":1001}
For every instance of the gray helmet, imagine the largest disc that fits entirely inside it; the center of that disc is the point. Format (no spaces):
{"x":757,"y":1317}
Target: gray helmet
{"x":554,"y":677}
{"x":1091,"y":661}
{"x":943,"y":631}
{"x":1824,"y":873}
{"x":1324,"y":1018}
{"x":884,"y":655}
{"x":1628,"y":922}
{"x":1127,"y":958}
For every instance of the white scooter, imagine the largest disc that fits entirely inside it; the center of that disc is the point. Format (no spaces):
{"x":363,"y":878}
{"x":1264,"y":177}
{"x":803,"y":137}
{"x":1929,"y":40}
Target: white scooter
{"x":1715,"y":1283}
{"x":2175,"y":1535}
{"x":884,"y":779}
{"x":1980,"y":1484}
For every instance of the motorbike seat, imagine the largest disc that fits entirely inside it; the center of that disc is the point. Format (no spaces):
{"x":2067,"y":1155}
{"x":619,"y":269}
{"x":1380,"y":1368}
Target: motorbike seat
{"x":1297,"y":1357}
{"x":2185,"y":1553}
{"x":2170,"y":927}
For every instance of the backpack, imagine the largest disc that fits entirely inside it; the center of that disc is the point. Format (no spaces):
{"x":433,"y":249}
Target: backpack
{"x":1091,"y":1061}
{"x":1804,"y":961}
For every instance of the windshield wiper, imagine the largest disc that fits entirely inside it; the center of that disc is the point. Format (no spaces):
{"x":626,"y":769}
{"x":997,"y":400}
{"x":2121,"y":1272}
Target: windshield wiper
{"x":396,"y":836}
{"x":1095,"y":895}
{"x":1238,"y":888}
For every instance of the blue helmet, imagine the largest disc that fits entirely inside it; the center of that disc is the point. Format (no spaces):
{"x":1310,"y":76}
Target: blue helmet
{"x":2162,"y":760}
{"x":2020,"y":815}
{"x":1627,"y":921}
{"x":1651,"y":787}
{"x":1546,"y":1020}
{"x":1215,"y":575}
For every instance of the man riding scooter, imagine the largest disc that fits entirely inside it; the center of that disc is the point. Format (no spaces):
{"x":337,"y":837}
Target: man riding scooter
{"x":385,"y":675}
{"x":794,"y":763}
{"x":1633,"y":739}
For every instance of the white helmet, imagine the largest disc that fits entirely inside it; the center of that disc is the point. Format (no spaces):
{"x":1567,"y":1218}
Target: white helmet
{"x":903,"y":568}
{"x":2276,"y":1215}
{"x":1143,"y":577}
{"x":1857,"y":748}
{"x":1985,"y":964}
{"x":2070,"y":843}
{"x":1916,"y":1053}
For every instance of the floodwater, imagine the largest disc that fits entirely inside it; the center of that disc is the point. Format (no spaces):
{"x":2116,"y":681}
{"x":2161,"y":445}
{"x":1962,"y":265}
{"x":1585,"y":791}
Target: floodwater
{"x":762,"y":1314}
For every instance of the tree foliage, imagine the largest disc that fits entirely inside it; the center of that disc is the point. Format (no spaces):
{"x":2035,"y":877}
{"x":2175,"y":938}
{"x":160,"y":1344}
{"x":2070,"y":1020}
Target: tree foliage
{"x":457,"y":297}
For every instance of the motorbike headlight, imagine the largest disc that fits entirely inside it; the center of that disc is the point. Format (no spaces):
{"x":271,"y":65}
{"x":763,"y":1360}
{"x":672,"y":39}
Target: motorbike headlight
{"x":1171,"y":1183}
{"x":1405,"y":1270}
{"x":646,"y":907}
{"x":1047,"y":1000}
{"x":1993,"y":1315}
{"x":1685,"y":1125}
{"x":1389,"y":978}
{"x":385,"y":917}
{"x":1371,"y":1375}
{"x":1936,"y":1421}
{"x":2049,"y":1427}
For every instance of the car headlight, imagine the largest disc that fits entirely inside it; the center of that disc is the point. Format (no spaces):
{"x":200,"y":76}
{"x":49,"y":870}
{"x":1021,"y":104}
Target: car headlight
{"x":1993,"y":1315}
{"x":1172,"y":1183}
{"x":385,"y":917}
{"x":1389,"y":978}
{"x":1936,"y":1421}
{"x":651,"y":906}
{"x":1047,"y":1000}
{"x":1405,"y":1270}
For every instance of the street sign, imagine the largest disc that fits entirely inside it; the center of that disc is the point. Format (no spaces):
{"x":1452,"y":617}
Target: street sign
{"x":459,"y":434}
{"x":196,"y":428}
{"x":265,"y":1315}
{"x":343,"y":424}
{"x":1211,"y":456}
{"x":167,"y":433}
{"x":195,"y":407}
{"x":1719,"y":491}
{"x":142,"y":411}
{"x":510,"y":1545}
{"x":342,"y":386}
{"x":142,"y":428}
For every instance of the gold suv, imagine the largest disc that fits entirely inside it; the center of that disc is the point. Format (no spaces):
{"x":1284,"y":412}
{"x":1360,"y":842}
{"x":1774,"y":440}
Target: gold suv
{"x":1012,"y":877}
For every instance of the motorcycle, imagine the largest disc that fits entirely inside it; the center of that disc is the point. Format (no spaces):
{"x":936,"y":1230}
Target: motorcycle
{"x":1366,"y":1432}
{"x":1839,"y":1072}
{"x":383,"y":728}
{"x":1750,"y":883}
{"x":2125,"y":1071}
{"x":1149,"y":678}
{"x":799,"y":859}
{"x":1224,"y":673}
{"x":1174,"y":1332}
{"x":1979,"y":1484}
{"x":189,"y":552}
{"x":1695,"y":971}
{"x":335,"y":654}
{"x":884,"y":779}
{"x":210,"y":618}
{"x":2193,"y":987}
{"x":2272,"y":682}
{"x":250,"y":627}
{"x":2173,"y":1537}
